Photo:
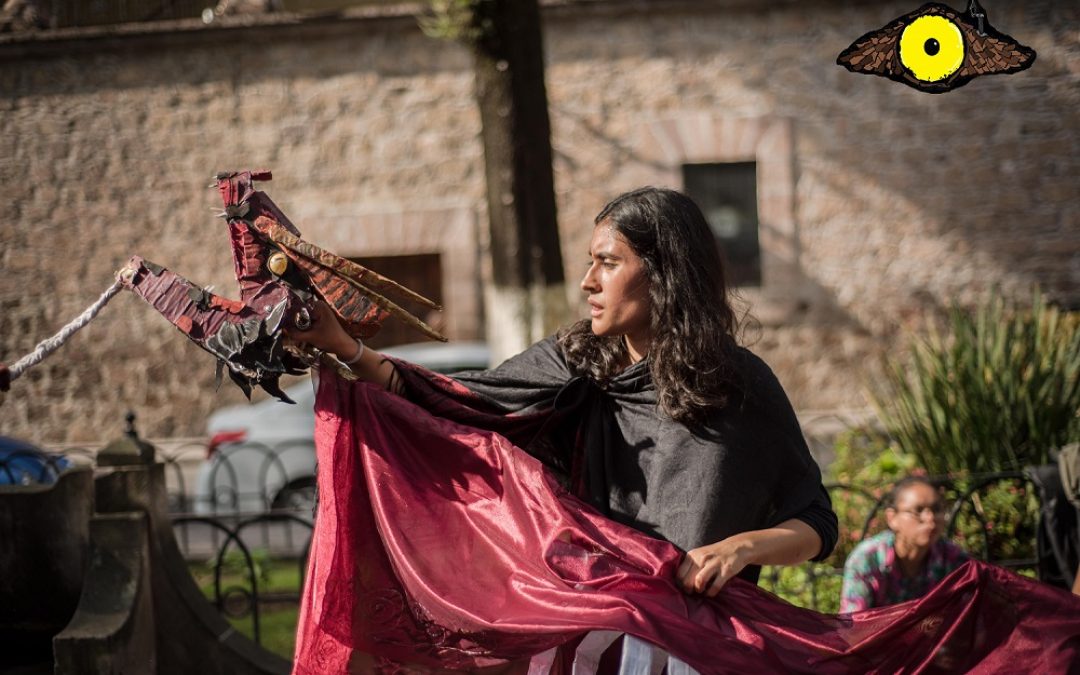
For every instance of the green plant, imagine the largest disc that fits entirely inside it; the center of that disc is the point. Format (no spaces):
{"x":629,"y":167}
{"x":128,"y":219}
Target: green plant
{"x":812,"y":585}
{"x":865,"y":465}
{"x":994,"y":391}
{"x":457,"y":20}
{"x":866,"y":457}
{"x":234,"y":567}
{"x":999,"y":522}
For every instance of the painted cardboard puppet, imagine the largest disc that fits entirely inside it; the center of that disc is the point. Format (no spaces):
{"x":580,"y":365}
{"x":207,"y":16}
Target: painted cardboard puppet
{"x":280,"y":275}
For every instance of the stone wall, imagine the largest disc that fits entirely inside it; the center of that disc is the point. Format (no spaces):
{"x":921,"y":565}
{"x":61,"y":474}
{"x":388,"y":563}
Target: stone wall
{"x":877,"y":202}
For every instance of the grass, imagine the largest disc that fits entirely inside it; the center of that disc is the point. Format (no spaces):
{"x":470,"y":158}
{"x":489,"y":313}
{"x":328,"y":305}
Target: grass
{"x":277,"y":628}
{"x":277,"y":618}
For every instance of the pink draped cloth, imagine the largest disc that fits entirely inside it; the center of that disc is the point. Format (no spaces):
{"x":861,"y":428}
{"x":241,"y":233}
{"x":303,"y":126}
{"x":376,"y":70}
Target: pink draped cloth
{"x":443,"y":547}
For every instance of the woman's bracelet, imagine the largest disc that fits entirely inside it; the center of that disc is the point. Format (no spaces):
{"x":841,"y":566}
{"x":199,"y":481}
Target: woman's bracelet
{"x":359,"y":353}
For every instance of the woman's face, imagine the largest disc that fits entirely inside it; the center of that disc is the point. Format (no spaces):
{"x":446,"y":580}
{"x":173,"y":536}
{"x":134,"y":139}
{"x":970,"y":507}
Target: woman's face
{"x":617,"y":287}
{"x":917,"y":517}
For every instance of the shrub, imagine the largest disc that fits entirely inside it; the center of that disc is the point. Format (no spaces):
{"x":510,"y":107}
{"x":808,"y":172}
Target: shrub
{"x":812,"y":585}
{"x":999,"y":523}
{"x":864,"y":468}
{"x":995,"y":391}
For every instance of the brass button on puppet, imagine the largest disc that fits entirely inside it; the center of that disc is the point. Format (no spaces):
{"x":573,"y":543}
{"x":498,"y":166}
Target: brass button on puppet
{"x":277,"y":264}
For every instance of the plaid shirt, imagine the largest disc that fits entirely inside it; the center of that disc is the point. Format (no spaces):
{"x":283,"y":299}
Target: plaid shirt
{"x":873,"y":579}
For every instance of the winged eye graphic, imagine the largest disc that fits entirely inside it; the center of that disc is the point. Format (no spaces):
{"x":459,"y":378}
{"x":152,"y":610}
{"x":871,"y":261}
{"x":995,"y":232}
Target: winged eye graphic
{"x":936,"y":49}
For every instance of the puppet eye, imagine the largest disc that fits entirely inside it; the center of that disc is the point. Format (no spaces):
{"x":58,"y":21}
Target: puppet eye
{"x":278,"y":263}
{"x":932,"y":48}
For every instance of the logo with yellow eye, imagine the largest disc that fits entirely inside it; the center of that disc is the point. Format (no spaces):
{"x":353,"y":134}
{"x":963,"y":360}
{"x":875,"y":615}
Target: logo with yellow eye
{"x":936,"y":49}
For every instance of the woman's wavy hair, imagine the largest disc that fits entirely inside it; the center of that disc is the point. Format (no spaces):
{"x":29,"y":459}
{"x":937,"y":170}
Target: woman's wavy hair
{"x":692,"y":354}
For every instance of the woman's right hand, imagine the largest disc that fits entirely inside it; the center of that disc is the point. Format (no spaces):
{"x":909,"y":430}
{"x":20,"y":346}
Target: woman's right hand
{"x":326,"y":332}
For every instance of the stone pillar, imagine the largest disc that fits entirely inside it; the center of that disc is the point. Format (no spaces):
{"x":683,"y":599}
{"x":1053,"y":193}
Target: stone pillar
{"x":112,"y":632}
{"x":45,"y":535}
{"x":113,"y":629}
{"x":140,"y":611}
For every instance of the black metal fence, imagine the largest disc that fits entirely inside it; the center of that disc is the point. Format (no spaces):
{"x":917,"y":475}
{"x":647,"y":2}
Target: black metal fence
{"x":242,"y":538}
{"x":244,"y":520}
{"x":255,"y":477}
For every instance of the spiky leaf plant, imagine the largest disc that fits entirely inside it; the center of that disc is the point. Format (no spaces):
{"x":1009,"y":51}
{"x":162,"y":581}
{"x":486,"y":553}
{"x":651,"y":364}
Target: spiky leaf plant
{"x":993,"y":390}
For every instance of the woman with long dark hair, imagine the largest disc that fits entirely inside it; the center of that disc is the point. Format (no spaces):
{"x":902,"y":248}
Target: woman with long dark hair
{"x":701,"y":446}
{"x":670,"y":461}
{"x":657,"y":292}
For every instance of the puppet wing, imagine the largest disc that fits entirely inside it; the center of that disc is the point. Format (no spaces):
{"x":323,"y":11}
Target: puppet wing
{"x":246,"y":341}
{"x":355,"y":292}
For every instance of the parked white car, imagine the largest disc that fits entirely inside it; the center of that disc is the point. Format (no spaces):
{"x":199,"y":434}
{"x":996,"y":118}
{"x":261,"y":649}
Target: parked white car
{"x":262,"y":456}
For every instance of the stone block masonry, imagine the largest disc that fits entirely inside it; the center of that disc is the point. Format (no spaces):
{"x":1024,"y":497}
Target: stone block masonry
{"x":878,"y":203}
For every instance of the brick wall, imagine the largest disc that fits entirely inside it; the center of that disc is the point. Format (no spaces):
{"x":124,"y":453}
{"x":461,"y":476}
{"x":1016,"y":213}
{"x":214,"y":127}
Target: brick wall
{"x":877,"y":202}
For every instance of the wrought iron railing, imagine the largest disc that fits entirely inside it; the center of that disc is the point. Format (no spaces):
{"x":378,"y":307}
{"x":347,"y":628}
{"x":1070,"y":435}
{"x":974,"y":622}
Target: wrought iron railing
{"x":233,"y":523}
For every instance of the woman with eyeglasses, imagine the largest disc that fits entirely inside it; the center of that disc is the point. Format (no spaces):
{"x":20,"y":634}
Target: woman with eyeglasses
{"x":905,"y":561}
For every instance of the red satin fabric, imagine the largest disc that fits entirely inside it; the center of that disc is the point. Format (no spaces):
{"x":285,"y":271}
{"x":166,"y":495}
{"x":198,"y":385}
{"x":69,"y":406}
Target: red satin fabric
{"x":441,"y":546}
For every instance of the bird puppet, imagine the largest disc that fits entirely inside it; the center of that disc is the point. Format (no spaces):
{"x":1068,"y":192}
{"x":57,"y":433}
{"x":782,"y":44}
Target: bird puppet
{"x":280,"y":275}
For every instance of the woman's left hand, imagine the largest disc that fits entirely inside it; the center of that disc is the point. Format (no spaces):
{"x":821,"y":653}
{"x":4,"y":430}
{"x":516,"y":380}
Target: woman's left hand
{"x":708,"y":568}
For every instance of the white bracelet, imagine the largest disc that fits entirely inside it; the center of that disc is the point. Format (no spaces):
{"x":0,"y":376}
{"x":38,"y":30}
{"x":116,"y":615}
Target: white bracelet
{"x":359,"y":353}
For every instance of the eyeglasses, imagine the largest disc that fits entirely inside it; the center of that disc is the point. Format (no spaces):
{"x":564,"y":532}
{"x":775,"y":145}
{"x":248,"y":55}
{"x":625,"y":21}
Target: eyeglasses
{"x":922,"y":512}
